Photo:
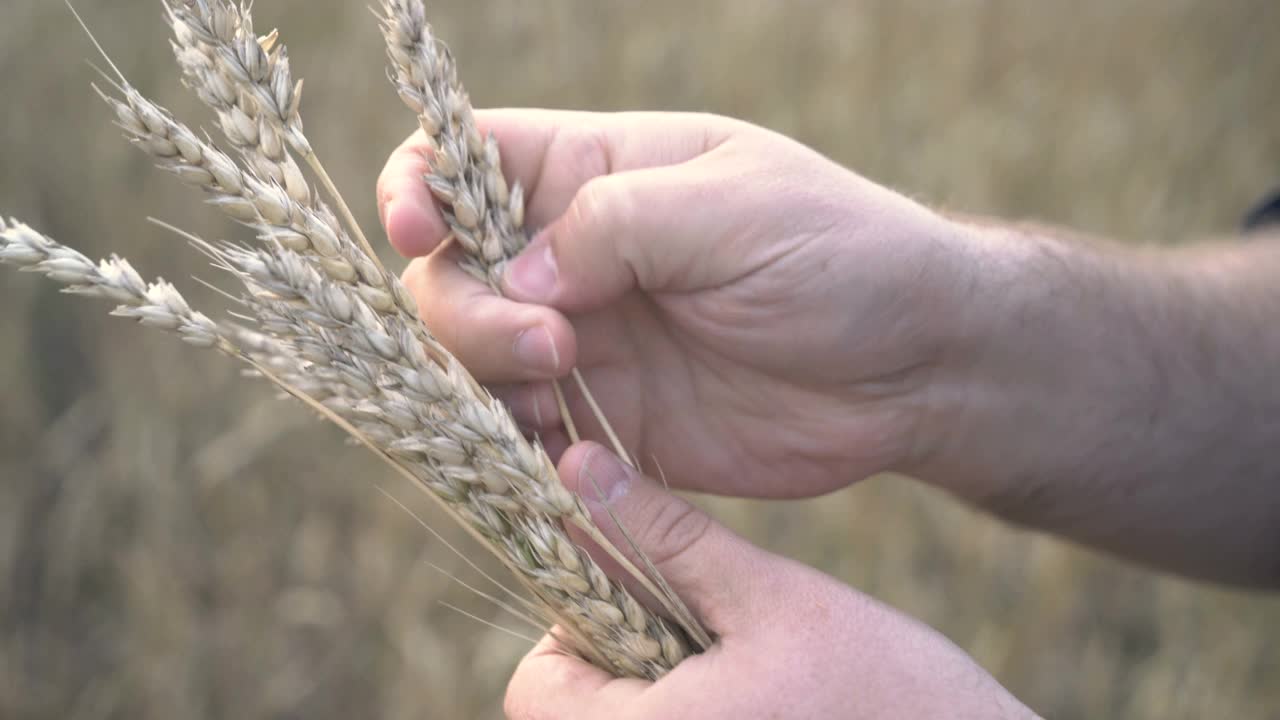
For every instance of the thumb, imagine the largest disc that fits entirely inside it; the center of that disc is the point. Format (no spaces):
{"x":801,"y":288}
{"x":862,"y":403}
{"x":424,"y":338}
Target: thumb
{"x":714,"y":571}
{"x":619,"y":233}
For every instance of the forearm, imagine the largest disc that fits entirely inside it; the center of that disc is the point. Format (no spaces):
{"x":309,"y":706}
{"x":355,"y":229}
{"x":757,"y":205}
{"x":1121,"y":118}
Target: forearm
{"x":1128,"y":399}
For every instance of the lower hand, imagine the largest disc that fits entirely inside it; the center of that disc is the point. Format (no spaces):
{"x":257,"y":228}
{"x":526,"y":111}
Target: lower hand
{"x":791,"y":642}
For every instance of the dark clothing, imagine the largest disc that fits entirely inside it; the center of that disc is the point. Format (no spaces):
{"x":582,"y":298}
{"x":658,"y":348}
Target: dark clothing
{"x":1264,"y":215}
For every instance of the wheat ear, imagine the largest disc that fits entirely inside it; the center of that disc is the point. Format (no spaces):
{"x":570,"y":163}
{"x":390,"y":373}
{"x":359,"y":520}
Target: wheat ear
{"x":156,"y":304}
{"x":462,"y":444}
{"x":315,"y":295}
{"x":484,"y":214}
{"x":515,"y":515}
{"x":465,"y":171}
{"x":258,"y":69}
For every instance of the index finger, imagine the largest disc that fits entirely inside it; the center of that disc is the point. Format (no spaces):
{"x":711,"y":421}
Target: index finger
{"x":551,"y":153}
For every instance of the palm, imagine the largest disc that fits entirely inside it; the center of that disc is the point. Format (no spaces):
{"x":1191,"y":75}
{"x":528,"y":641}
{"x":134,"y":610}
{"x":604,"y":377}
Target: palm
{"x":742,"y":389}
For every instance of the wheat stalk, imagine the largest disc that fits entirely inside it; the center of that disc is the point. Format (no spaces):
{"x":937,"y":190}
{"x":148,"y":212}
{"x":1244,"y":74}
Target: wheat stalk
{"x":337,"y":332}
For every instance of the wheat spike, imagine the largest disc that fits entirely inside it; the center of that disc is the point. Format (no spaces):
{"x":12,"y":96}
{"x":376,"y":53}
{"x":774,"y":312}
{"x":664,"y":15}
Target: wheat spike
{"x":460,"y":442}
{"x":484,"y":216}
{"x":337,"y":332}
{"x":252,"y":77}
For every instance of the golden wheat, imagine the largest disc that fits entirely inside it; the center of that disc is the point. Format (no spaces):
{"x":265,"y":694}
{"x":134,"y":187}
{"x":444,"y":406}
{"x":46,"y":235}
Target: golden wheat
{"x":335,"y":330}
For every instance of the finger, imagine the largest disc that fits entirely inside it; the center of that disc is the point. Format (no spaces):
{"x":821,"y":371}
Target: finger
{"x":552,"y":684}
{"x":496,"y":339}
{"x":409,"y":214}
{"x":533,"y":405}
{"x":642,"y":229}
{"x":718,"y":574}
{"x":551,"y":153}
{"x":412,"y":216}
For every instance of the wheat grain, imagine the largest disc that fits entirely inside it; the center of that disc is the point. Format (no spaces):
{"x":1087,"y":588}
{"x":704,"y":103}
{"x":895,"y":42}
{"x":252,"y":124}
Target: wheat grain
{"x":379,"y":339}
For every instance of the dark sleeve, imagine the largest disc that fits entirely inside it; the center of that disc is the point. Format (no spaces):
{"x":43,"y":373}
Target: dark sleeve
{"x":1264,"y":215}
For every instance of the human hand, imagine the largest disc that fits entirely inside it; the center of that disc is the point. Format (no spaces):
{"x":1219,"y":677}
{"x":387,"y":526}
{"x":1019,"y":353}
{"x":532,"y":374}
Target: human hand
{"x":756,"y":318}
{"x":791,"y":642}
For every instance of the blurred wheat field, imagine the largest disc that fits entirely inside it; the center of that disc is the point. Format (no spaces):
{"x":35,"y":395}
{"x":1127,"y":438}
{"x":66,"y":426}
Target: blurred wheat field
{"x":174,"y":543}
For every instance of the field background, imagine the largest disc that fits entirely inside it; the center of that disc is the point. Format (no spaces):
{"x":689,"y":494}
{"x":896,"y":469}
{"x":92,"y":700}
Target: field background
{"x":175,"y":544}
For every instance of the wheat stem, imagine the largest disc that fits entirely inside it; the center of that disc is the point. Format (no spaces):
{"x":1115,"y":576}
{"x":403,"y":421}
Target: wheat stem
{"x":570,"y":427}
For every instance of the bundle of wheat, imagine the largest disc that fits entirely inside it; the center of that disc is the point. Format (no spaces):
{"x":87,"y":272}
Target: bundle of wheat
{"x":326,"y":322}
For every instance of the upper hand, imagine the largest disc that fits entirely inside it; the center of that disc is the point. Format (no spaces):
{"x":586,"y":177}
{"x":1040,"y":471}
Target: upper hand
{"x":754,"y":317}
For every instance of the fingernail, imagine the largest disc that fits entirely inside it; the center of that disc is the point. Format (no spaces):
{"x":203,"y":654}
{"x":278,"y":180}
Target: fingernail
{"x":534,"y":348}
{"x":533,"y":274}
{"x":602,"y":479}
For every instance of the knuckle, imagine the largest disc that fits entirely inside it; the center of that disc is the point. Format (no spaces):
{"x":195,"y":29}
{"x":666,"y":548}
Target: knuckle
{"x":581,"y":153}
{"x":589,"y":207}
{"x":402,"y":168}
{"x":677,"y":527}
{"x":601,"y":203}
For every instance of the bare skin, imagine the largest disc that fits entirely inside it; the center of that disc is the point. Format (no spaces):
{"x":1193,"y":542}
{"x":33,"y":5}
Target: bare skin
{"x":766,"y":323}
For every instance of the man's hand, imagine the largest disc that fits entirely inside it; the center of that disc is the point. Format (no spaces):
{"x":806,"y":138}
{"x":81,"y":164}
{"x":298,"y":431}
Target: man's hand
{"x":792,"y":643}
{"x":760,"y":320}
{"x":763,"y":322}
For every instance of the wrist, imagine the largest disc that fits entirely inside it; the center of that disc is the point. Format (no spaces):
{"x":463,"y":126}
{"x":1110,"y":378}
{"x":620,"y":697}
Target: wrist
{"x":1119,"y":396}
{"x":1048,"y":359}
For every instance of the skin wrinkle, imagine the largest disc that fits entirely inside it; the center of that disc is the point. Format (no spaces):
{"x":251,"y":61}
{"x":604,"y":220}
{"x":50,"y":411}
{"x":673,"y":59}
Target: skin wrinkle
{"x":608,"y":196}
{"x":579,"y":159}
{"x":677,"y":529}
{"x":748,"y":408}
{"x":652,"y":365}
